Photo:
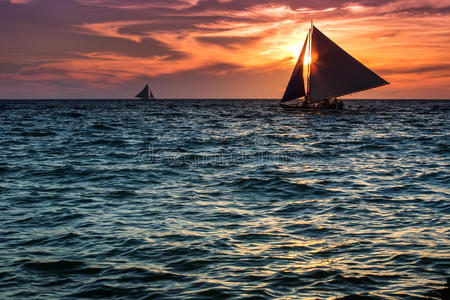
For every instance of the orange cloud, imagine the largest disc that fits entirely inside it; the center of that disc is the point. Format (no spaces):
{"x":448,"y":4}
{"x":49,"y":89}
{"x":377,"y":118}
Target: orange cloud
{"x":112,"y":29}
{"x":20,"y":1}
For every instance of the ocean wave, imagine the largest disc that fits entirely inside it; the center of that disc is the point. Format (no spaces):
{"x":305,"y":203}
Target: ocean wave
{"x":223,"y":199}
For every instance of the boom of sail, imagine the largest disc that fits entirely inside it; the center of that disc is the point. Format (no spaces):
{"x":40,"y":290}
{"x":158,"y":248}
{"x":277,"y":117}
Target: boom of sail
{"x":325,"y":71}
{"x":146,"y":93}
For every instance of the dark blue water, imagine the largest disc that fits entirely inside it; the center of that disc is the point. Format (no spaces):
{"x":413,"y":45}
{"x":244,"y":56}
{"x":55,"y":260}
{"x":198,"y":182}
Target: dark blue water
{"x":223,"y":199}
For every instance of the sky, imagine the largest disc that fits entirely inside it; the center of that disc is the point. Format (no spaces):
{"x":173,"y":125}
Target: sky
{"x":214,"y":48}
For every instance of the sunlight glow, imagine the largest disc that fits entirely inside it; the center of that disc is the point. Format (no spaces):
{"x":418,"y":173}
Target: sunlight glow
{"x":307,"y":65}
{"x":307,"y":57}
{"x":295,"y":50}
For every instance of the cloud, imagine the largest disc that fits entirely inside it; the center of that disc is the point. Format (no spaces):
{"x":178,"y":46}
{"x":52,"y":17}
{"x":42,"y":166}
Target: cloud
{"x":113,"y":29}
{"x":439,"y":70}
{"x":228,"y":41}
{"x":20,"y":1}
{"x":9,"y":67}
{"x":142,"y":4}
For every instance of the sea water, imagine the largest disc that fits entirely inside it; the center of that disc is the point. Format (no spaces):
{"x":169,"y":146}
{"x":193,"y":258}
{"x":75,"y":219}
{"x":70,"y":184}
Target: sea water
{"x":193,"y":199}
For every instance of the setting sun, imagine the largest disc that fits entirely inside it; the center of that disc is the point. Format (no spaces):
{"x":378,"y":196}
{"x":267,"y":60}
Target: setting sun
{"x":295,"y":51}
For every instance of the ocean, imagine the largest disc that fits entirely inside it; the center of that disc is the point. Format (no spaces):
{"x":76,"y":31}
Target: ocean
{"x":223,"y":199}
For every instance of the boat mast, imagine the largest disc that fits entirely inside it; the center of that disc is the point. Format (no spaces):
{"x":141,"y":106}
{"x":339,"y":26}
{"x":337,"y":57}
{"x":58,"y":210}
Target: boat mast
{"x":308,"y":73}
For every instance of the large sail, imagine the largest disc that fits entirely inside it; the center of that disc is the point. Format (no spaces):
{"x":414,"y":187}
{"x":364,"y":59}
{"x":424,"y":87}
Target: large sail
{"x":296,"y":86}
{"x":334,"y":72}
{"x":144,"y":93}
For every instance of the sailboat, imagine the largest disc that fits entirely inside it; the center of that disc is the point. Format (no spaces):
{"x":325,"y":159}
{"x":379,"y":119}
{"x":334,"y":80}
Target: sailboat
{"x":146,"y":93}
{"x":323,"y":72}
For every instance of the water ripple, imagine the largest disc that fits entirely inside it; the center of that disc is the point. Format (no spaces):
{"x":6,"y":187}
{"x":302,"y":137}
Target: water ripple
{"x":224,"y":199}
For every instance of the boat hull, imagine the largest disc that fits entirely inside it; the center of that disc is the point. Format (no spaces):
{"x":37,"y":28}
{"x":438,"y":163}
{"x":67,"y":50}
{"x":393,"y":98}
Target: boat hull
{"x":300,"y":107}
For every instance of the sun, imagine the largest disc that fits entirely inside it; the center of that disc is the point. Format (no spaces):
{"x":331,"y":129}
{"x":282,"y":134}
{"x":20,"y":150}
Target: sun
{"x":294,"y":51}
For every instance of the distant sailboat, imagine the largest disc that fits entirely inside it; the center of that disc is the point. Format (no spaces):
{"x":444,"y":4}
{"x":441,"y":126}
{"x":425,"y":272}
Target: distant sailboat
{"x":323,"y":72}
{"x":146,"y":93}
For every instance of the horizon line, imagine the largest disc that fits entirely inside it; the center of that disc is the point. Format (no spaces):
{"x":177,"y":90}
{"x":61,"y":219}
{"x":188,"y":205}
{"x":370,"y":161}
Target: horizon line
{"x":259,"y":99}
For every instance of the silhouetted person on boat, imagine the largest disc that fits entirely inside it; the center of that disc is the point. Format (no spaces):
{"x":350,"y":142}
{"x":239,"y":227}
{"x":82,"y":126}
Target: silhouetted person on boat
{"x":339,"y":104}
{"x":324,"y":104}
